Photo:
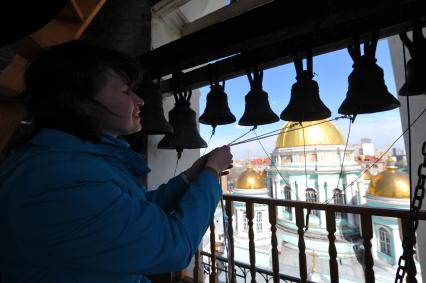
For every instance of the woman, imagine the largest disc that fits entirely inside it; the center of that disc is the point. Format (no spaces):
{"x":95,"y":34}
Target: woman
{"x":72,"y":207}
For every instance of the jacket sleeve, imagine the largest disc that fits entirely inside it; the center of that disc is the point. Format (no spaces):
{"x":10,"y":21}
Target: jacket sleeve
{"x":167,"y":195}
{"x":92,"y":225}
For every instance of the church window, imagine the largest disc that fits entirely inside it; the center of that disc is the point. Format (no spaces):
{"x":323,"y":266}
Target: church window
{"x":312,"y":157}
{"x":384,"y":241}
{"x":285,"y":158}
{"x":347,"y":156}
{"x":259,"y":221}
{"x":339,"y":198}
{"x":311,"y":196}
{"x":245,"y":225}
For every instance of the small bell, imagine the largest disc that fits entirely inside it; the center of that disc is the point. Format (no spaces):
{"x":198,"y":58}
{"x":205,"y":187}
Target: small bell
{"x":217,"y":111}
{"x":367,"y":92}
{"x":185,"y":133}
{"x":257,"y":110}
{"x":305,"y":103}
{"x":416,"y":66}
{"x":152,"y":114}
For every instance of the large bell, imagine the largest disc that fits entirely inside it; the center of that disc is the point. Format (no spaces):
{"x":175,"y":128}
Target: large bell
{"x":416,"y":66}
{"x":185,"y":133}
{"x":152,"y":114}
{"x":367,"y":92}
{"x":257,"y":110}
{"x":305,"y":103}
{"x":217,"y":111}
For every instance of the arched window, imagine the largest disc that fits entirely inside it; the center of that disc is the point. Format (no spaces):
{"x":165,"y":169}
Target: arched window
{"x":287,"y":196}
{"x":259,"y":219}
{"x":339,"y":198}
{"x":384,"y":237}
{"x":245,"y":225}
{"x":311,"y":196}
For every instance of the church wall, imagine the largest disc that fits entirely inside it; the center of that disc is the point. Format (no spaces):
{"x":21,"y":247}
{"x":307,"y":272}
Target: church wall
{"x":418,"y":134}
{"x":163,"y":32}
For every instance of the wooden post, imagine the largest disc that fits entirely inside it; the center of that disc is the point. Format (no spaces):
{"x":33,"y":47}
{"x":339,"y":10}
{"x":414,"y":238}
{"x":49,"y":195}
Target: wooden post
{"x":213,"y":274}
{"x":274,"y":242}
{"x":252,"y":248}
{"x":231,"y":264}
{"x":367,"y":235}
{"x":331,"y":228}
{"x":300,"y":222}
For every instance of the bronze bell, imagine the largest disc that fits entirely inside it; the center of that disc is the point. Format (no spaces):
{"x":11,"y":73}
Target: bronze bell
{"x":152,"y":114}
{"x":305,"y":103}
{"x":185,"y":133}
{"x":257,"y":110}
{"x":416,"y":66}
{"x":367,"y":92}
{"x":217,"y":111}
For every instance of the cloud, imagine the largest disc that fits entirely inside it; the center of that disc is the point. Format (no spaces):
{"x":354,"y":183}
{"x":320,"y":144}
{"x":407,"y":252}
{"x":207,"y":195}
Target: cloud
{"x":382,"y":129}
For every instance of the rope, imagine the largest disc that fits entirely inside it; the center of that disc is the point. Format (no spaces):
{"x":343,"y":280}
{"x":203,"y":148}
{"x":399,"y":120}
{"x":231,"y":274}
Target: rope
{"x":387,"y":150}
{"x":273,"y":164}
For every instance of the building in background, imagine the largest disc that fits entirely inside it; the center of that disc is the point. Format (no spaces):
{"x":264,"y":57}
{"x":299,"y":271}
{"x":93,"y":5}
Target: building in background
{"x":251,"y":183}
{"x":389,"y":189}
{"x":311,"y":164}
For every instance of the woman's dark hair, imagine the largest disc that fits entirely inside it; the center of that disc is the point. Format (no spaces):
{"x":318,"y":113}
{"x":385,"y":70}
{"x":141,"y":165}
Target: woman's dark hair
{"x":62,"y":82}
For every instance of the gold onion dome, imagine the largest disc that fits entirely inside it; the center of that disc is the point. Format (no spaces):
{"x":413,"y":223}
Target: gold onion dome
{"x":319,"y":132}
{"x":367,"y":176}
{"x":250,"y":180}
{"x":390,"y":183}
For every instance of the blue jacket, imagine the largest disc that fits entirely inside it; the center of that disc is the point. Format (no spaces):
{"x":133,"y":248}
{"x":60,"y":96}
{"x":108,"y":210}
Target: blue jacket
{"x":73,"y":211}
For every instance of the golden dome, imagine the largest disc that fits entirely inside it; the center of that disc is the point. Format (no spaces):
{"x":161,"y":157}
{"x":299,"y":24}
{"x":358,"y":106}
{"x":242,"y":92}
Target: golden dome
{"x":250,"y":179}
{"x":390,"y":184}
{"x":315,"y":132}
{"x":367,"y":176}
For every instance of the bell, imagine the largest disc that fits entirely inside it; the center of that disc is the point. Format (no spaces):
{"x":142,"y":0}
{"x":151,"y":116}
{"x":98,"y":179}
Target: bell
{"x":217,"y":111}
{"x":416,"y":66}
{"x":367,"y":92}
{"x":152,"y":114}
{"x":305,"y":103}
{"x":185,"y":133}
{"x":415,"y":84}
{"x":257,"y":110}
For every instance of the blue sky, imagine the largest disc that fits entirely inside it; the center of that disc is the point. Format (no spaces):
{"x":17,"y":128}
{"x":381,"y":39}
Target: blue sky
{"x":332,"y":70}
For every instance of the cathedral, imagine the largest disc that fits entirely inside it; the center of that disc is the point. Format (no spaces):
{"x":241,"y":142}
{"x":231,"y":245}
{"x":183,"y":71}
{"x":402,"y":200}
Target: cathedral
{"x":310,"y":163}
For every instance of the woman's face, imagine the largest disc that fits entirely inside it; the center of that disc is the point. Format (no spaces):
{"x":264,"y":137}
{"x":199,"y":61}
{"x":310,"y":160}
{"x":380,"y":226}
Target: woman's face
{"x":118,"y":97}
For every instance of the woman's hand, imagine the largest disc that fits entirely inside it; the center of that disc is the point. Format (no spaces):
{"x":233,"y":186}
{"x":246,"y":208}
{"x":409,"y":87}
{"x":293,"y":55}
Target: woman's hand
{"x":220,"y":159}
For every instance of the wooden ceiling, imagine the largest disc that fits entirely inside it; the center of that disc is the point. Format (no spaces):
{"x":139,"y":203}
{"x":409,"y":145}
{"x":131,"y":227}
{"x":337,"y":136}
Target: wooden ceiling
{"x":269,"y":34}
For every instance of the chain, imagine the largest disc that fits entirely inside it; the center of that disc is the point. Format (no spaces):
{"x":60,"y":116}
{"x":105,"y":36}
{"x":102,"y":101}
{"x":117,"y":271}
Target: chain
{"x":409,"y":238}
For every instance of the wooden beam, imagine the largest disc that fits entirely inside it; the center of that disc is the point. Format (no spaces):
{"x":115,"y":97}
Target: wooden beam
{"x":267,"y":36}
{"x":222,"y":14}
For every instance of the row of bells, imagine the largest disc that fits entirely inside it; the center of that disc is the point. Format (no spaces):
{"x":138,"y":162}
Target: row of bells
{"x":367,"y":93}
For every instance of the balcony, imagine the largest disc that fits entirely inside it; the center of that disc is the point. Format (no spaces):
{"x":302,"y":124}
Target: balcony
{"x":212,"y":265}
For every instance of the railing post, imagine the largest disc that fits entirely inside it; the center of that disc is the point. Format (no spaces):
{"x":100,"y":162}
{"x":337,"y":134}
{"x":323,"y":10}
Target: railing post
{"x":196,"y":272}
{"x":331,"y":228}
{"x":302,"y":256}
{"x":213,"y":274}
{"x":231,"y":264}
{"x":367,"y":235}
{"x":274,"y":242}
{"x":252,"y":248}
